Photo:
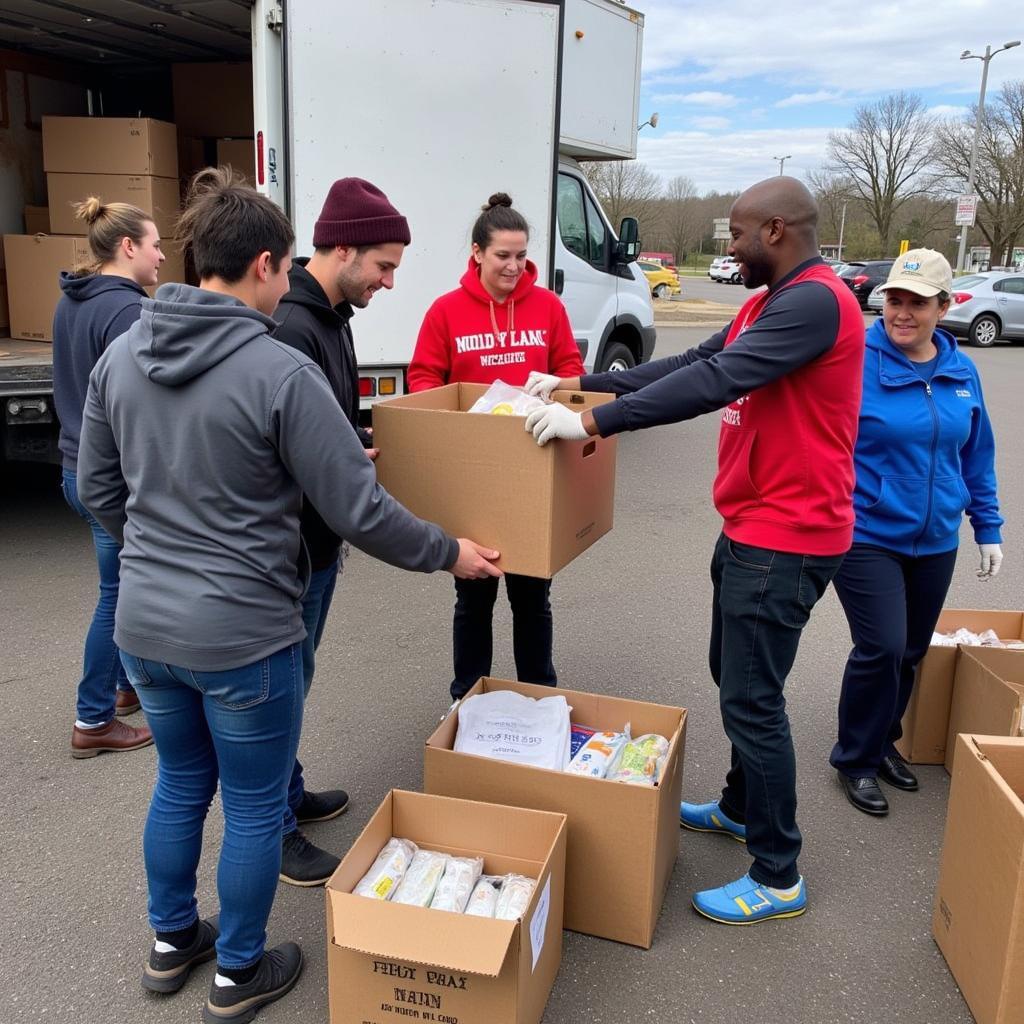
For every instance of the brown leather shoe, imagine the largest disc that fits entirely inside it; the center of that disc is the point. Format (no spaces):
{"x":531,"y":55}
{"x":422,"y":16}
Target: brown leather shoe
{"x":113,"y":737}
{"x":126,"y":702}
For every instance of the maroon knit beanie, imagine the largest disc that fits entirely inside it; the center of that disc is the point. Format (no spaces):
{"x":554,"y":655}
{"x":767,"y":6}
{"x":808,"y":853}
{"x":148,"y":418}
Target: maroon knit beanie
{"x":358,"y":213}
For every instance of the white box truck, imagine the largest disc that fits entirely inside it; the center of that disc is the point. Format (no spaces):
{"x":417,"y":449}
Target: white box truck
{"x":438,"y":102}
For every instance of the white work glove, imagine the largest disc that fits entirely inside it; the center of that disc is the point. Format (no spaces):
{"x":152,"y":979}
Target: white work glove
{"x":555,"y":420}
{"x":991,"y":559}
{"x":541,"y":384}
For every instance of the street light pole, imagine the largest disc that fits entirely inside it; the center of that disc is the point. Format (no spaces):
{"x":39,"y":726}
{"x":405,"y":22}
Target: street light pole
{"x":782,"y":161}
{"x":967,"y":55}
{"x":842,"y":228}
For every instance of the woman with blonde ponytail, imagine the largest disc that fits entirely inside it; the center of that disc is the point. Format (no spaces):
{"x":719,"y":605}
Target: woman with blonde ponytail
{"x":100,"y":302}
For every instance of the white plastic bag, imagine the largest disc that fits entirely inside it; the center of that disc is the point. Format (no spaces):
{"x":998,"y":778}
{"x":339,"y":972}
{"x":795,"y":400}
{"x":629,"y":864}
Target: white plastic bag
{"x":598,"y":754}
{"x":425,"y":871}
{"x":456,"y":885}
{"x":514,"y":897}
{"x":388,"y":870}
{"x":501,"y":399}
{"x":640,"y":761}
{"x":507,"y":726}
{"x":484,"y":899}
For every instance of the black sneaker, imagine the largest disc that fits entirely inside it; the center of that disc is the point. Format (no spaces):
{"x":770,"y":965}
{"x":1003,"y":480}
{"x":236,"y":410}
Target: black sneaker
{"x":167,"y":972}
{"x":321,"y":806}
{"x":302,"y":863}
{"x":236,"y":1004}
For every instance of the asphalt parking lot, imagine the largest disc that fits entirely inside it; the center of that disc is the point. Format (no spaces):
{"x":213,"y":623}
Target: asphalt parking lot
{"x":631,"y":619}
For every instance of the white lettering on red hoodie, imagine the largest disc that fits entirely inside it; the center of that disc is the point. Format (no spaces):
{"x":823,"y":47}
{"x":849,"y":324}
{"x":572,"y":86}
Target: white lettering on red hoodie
{"x":468,"y":337}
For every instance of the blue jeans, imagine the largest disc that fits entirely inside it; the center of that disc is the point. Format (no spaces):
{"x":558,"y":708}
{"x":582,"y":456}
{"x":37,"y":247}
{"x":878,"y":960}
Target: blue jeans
{"x":240,"y":726}
{"x":892,"y":603}
{"x":102,"y":672}
{"x":316,"y":603}
{"x":762,"y":601}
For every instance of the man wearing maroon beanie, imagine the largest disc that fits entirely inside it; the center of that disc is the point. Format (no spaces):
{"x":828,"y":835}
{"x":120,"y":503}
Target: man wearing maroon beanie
{"x":358,"y":240}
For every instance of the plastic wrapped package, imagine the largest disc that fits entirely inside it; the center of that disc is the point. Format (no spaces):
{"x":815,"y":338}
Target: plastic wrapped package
{"x":514,"y":897}
{"x":388,"y":870}
{"x":509,"y":726}
{"x":640,"y":761}
{"x":456,"y":885}
{"x":484,"y":899}
{"x":580,"y":735}
{"x":502,"y":399}
{"x":596,"y":756}
{"x":968,"y":639}
{"x":421,"y":879}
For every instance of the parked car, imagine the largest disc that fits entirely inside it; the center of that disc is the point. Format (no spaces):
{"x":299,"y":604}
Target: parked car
{"x":727,"y":270}
{"x":986,"y":307}
{"x":715,"y":264}
{"x":663,"y":281}
{"x":863,"y":276}
{"x":875,"y":300}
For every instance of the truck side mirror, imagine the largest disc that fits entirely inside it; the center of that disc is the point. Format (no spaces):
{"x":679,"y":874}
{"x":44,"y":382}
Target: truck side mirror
{"x":627,"y":249}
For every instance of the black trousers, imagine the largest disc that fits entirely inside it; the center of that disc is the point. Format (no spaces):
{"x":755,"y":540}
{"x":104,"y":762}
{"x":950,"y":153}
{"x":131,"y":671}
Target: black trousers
{"x":892,"y":603}
{"x":532,"y":630}
{"x":762,"y":601}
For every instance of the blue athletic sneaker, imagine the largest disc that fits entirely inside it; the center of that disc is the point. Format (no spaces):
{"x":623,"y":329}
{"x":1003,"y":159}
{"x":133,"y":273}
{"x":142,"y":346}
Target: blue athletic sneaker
{"x":746,"y":902}
{"x":709,"y":818}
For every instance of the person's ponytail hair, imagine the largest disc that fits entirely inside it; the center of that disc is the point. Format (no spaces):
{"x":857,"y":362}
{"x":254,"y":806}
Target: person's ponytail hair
{"x":108,"y":224}
{"x":226,"y":224}
{"x":498,"y":215}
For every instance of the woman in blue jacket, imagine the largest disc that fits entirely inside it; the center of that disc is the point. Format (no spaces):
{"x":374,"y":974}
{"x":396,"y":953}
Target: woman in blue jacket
{"x":925,"y":453}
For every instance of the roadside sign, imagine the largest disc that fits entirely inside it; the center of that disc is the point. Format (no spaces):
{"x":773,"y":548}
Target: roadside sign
{"x":966,"y":211}
{"x":904,"y":246}
{"x":720,"y":226}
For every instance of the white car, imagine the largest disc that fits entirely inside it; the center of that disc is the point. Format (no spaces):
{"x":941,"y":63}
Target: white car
{"x":727,"y":269}
{"x":876,"y":300}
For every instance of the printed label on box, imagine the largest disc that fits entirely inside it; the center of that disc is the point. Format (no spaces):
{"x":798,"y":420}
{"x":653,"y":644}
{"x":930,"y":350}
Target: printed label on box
{"x":539,"y":922}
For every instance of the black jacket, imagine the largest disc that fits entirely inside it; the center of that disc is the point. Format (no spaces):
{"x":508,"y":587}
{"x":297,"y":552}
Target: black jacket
{"x":92,"y":312}
{"x":308,"y":322}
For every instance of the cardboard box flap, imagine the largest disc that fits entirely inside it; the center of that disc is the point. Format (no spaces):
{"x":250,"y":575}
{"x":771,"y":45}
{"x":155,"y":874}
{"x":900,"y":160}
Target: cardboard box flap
{"x":434,"y":938}
{"x":1004,"y":760}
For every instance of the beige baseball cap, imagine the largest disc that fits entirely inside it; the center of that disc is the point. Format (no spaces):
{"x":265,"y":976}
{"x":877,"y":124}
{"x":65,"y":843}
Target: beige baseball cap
{"x":921,"y":271}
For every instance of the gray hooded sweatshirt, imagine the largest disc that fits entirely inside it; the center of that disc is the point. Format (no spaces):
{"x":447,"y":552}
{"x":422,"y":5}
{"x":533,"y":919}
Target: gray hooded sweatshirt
{"x":199,"y":437}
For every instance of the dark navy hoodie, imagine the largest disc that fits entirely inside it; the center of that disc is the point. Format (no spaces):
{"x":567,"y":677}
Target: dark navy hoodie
{"x":92,"y":312}
{"x":925,"y":452}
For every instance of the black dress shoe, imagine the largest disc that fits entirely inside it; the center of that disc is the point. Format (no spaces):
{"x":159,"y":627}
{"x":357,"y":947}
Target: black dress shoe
{"x":894,"y":770}
{"x":864,"y":794}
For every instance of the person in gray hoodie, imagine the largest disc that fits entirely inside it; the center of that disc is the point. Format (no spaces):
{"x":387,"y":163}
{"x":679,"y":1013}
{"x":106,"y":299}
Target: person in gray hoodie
{"x":200,"y":435}
{"x":98,"y":303}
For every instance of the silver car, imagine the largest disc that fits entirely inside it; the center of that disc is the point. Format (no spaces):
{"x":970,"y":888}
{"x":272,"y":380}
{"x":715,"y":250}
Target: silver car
{"x":876,"y":300}
{"x":986,"y":307}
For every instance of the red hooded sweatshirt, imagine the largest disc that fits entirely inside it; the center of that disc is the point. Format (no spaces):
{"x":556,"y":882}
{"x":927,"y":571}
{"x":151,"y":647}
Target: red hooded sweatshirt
{"x":457,"y":341}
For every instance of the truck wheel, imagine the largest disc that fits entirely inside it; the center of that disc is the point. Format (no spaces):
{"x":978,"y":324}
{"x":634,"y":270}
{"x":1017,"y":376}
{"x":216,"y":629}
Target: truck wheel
{"x":661,"y":292}
{"x":984,"y":331}
{"x":617,"y":357}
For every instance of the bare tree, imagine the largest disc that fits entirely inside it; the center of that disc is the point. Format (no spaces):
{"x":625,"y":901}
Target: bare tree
{"x":886,"y":155}
{"x":832,"y":193}
{"x":999,"y":177}
{"x":681,"y":223}
{"x":626,"y":188}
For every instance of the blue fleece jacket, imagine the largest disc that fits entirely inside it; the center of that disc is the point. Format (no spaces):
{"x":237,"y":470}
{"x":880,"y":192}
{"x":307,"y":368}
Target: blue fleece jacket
{"x":93,"y":310}
{"x":925,"y":452}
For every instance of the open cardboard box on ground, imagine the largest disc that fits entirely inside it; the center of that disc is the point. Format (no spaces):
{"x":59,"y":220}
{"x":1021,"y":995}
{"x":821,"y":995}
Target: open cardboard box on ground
{"x":978,"y":920}
{"x":623,"y":839}
{"x":988,"y":696}
{"x":388,"y":962}
{"x":484,"y":477}
{"x":926,"y":721}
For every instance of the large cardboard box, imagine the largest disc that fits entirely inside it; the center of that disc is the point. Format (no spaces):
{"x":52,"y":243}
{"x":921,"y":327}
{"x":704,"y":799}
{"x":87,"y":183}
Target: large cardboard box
{"x":34,"y":263}
{"x":926,"y":720}
{"x":213,"y":99}
{"x":37,"y":220}
{"x":623,"y":839}
{"x":239,"y":154}
{"x":978,"y":921}
{"x":109,"y":145}
{"x":387,"y":962}
{"x":484,"y":477}
{"x":988,"y":696}
{"x":159,"y":197}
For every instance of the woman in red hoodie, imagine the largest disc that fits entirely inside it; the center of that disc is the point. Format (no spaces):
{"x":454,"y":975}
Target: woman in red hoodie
{"x":497,"y":325}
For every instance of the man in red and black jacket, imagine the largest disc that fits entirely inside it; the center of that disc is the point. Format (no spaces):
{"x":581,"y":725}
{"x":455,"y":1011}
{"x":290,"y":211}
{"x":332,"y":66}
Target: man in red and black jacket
{"x":787,"y":375}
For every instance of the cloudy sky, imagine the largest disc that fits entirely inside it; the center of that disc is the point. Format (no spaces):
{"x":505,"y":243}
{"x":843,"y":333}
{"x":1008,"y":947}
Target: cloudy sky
{"x":740,"y":82}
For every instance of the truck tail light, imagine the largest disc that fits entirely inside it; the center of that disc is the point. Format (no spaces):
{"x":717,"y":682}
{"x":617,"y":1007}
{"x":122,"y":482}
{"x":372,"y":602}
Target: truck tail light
{"x":261,"y":175}
{"x":367,"y":387}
